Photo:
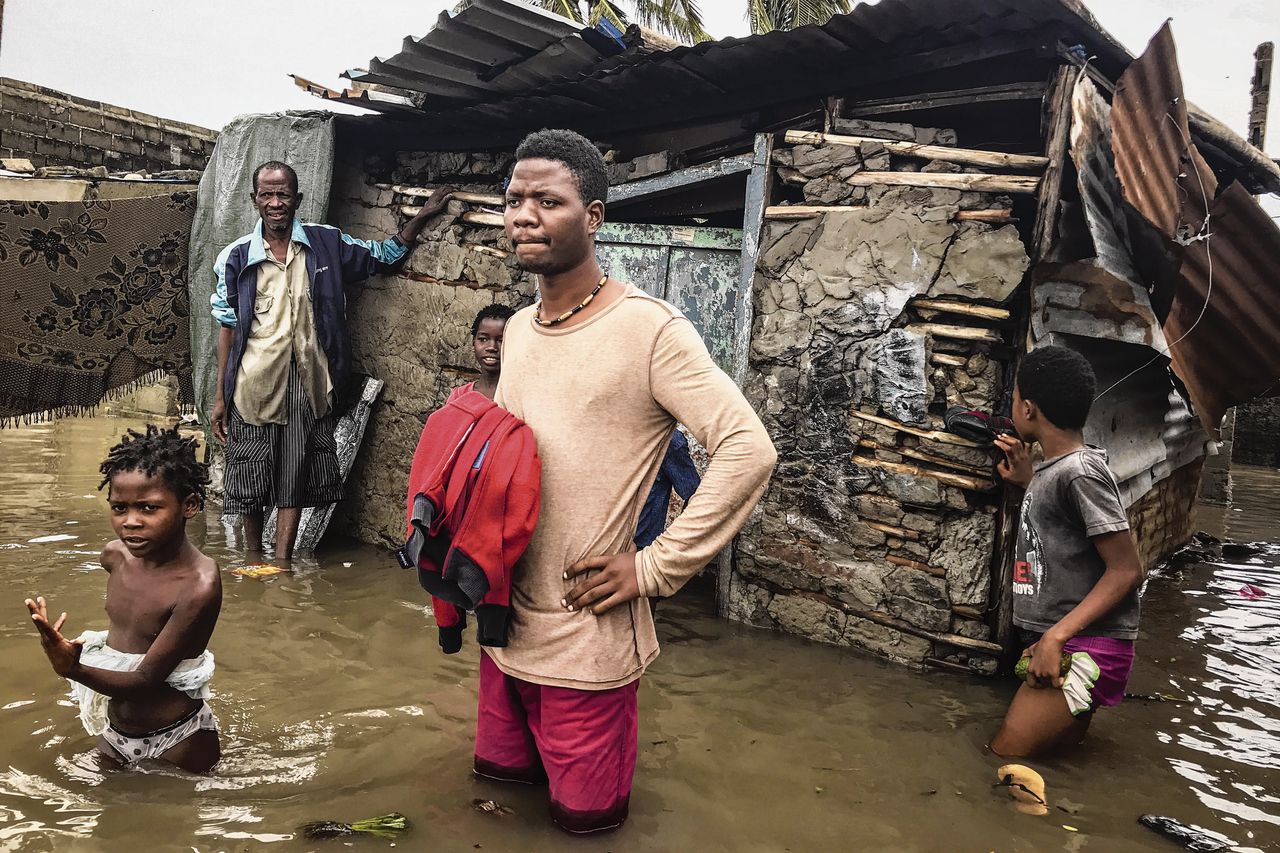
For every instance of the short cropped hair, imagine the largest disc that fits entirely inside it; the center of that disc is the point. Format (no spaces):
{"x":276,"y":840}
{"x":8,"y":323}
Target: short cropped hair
{"x":491,"y":312}
{"x":577,"y":153}
{"x":1060,"y":382}
{"x":163,"y":453}
{"x":276,"y":166}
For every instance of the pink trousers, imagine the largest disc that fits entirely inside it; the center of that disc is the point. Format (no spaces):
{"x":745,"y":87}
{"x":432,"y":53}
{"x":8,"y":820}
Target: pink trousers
{"x":581,"y":742}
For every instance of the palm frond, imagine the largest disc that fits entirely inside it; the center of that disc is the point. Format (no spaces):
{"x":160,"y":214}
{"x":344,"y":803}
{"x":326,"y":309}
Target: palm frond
{"x":566,"y":8}
{"x":606,"y":10}
{"x":679,"y":18}
{"x":759,"y":16}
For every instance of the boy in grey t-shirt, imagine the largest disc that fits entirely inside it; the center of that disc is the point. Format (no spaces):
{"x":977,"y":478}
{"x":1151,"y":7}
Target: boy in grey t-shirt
{"x":1076,"y":571}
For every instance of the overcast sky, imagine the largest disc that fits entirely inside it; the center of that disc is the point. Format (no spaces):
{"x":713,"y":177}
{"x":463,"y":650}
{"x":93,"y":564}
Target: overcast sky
{"x":205,"y":62}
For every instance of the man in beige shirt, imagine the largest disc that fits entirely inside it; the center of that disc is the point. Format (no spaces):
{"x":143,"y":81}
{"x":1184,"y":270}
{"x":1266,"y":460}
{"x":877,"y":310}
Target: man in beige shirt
{"x":601,"y":372}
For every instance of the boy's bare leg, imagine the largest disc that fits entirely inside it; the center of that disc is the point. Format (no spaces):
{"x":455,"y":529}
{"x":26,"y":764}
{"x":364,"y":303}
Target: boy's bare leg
{"x":252,"y":522}
{"x":287,"y":520}
{"x":1038,"y":720}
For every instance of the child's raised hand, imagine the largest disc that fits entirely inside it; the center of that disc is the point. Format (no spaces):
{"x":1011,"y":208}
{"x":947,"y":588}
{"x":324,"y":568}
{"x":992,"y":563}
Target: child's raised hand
{"x":63,"y":654}
{"x":1016,"y":465}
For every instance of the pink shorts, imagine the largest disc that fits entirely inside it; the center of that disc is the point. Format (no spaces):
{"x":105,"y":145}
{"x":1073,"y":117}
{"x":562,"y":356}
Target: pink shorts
{"x":582,"y":742}
{"x":1114,"y":660}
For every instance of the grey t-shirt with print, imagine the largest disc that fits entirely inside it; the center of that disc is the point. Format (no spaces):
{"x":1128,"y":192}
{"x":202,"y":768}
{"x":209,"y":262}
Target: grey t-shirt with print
{"x":1071,"y":498}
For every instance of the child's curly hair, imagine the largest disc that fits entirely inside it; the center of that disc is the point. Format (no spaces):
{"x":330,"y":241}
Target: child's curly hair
{"x":159,"y":452}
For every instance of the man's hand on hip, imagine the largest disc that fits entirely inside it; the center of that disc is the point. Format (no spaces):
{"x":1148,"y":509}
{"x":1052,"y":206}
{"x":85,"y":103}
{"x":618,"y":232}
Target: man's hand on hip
{"x":614,"y":583}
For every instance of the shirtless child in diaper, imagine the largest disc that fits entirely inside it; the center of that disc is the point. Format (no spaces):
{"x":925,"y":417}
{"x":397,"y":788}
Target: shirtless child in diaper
{"x":142,"y":685}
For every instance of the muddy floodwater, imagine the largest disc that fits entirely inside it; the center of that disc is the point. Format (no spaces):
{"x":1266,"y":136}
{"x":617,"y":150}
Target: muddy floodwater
{"x":335,"y":703}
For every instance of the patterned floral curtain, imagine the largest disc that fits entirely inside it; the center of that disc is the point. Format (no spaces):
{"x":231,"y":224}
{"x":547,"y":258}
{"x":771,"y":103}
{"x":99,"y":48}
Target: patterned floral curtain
{"x":93,"y":299}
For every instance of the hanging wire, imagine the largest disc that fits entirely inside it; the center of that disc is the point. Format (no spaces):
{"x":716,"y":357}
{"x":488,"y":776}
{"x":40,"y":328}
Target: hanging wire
{"x":1202,"y":236}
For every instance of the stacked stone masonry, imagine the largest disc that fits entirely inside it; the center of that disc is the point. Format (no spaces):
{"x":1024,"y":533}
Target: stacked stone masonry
{"x":412,"y":330}
{"x":876,"y":532}
{"x":52,"y":128}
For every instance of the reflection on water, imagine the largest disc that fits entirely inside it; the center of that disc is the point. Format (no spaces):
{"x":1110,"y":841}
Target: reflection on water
{"x":336,"y":704}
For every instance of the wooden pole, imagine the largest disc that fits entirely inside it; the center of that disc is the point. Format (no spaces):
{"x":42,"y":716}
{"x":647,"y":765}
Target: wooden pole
{"x":907,"y":628}
{"x":1260,"y":94}
{"x":962,"y":156}
{"x":960,"y":481}
{"x":469,"y":198}
{"x":930,"y":434}
{"x":808,"y":211}
{"x":968,"y":308}
{"x":949,"y":360}
{"x":958,"y":333}
{"x":471,"y":217}
{"x":920,"y":455}
{"x":1024,"y":184}
{"x":1057,"y":129}
{"x":915,"y":565}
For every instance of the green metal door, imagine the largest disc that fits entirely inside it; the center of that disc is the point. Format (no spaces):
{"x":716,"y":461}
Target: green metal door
{"x":695,"y":269}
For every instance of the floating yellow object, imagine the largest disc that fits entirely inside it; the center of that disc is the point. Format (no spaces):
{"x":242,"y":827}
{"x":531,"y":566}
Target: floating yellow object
{"x":1026,"y":786}
{"x":1069,"y":828}
{"x":257,"y":570}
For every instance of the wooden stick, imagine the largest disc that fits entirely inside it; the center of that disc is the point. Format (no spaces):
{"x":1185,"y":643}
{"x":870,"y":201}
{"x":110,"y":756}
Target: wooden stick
{"x":959,"y":333}
{"x":930,"y":434}
{"x":966,"y":612}
{"x":960,"y":481}
{"x":994,"y":216}
{"x":471,"y":217}
{"x":963,"y":156}
{"x":949,"y":360}
{"x":486,"y":250}
{"x":947,"y":639}
{"x":469,"y":198}
{"x":942,"y":180}
{"x":900,"y":532}
{"x":912,"y":453}
{"x":916,"y":565}
{"x":969,"y":308}
{"x":808,"y":211}
{"x":950,"y":666}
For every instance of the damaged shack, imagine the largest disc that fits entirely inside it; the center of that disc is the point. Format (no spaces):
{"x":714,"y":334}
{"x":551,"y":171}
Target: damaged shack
{"x":869,"y":221}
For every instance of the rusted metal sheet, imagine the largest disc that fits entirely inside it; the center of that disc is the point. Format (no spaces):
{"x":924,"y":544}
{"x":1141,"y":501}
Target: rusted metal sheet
{"x":1226,"y":310}
{"x":1211,"y":258}
{"x":1162,"y":174}
{"x":1100,"y":307}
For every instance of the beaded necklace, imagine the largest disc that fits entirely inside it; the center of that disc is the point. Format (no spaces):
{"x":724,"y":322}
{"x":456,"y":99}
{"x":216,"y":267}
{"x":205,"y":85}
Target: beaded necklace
{"x":574,"y":310}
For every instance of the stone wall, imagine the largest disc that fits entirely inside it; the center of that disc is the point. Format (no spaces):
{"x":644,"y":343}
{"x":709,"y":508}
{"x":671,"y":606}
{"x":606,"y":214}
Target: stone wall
{"x":52,"y":128}
{"x":413,"y":330}
{"x":1257,"y":433}
{"x":1163,"y":519}
{"x":878,"y":530}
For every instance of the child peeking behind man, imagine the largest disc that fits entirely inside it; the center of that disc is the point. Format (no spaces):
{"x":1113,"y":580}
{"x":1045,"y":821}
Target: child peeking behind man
{"x":1077,"y":572}
{"x":142,"y":685}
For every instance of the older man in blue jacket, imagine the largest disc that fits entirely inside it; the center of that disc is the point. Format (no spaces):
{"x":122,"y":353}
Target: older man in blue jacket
{"x":284,"y":352}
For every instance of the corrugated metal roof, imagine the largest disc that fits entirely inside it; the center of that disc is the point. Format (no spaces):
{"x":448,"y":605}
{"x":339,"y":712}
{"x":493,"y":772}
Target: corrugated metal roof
{"x":722,"y":76}
{"x":1212,"y":261}
{"x":489,"y":49}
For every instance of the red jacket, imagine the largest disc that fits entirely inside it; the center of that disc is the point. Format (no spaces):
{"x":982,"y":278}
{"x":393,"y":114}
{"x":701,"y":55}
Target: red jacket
{"x":474,"y":490}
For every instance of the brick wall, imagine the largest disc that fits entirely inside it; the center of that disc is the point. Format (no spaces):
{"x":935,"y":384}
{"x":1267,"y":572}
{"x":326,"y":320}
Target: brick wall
{"x":52,"y":128}
{"x":1163,"y":518}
